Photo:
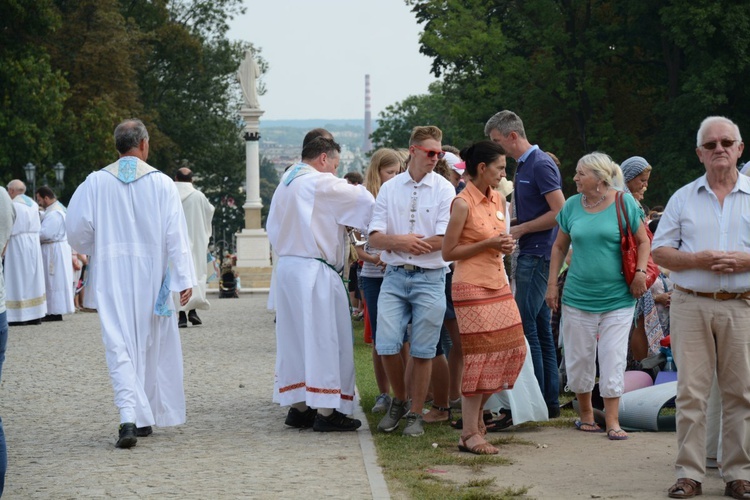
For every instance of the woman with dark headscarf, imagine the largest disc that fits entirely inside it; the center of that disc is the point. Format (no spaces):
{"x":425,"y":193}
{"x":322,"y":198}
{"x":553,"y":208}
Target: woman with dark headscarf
{"x":647,"y":331}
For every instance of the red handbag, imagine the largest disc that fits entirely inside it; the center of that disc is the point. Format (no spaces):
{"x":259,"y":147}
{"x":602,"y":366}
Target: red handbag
{"x":629,"y":247}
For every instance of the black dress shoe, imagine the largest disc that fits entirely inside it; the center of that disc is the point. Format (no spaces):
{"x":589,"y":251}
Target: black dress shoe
{"x":335,"y":422}
{"x":193,"y":317}
{"x":182,"y":322}
{"x":301,"y":419}
{"x":37,"y":321}
{"x":144,"y":431}
{"x":127,"y":436}
{"x":52,"y":317}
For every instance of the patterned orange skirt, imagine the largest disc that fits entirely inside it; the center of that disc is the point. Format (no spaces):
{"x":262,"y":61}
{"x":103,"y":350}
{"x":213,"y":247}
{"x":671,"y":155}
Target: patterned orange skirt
{"x":491,"y":338}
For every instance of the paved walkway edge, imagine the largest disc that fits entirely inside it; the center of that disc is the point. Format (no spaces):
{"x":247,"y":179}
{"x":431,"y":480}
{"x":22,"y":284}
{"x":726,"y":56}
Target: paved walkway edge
{"x":378,"y":486}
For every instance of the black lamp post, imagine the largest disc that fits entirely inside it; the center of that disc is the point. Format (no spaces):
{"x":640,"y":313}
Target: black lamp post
{"x":30,"y":171}
{"x":59,"y":169}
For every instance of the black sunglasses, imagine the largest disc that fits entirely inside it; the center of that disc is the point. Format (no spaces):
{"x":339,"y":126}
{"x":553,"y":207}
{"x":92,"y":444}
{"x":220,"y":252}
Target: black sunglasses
{"x":725,"y":143}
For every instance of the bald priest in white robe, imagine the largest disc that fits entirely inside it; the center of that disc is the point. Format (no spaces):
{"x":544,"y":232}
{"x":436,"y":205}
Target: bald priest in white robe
{"x":56,"y":255}
{"x":129,"y":218}
{"x":198,"y":214}
{"x":307,"y":228}
{"x":26,"y":300}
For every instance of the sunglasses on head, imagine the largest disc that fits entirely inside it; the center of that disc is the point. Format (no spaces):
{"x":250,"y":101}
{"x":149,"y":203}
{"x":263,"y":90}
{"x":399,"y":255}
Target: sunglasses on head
{"x":430,"y":153}
{"x":725,"y":143}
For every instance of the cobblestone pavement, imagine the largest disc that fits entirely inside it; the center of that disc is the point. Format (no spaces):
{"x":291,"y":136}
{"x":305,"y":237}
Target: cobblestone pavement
{"x":57,"y":406}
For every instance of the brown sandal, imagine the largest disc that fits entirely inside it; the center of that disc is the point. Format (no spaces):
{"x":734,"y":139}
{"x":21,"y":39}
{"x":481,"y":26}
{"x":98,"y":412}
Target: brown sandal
{"x":685,"y":488}
{"x":483,"y":448}
{"x":739,"y":488}
{"x":430,"y":419}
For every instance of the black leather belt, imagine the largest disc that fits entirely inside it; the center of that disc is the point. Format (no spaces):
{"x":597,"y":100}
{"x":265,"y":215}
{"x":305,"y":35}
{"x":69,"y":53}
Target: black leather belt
{"x":412,"y":268}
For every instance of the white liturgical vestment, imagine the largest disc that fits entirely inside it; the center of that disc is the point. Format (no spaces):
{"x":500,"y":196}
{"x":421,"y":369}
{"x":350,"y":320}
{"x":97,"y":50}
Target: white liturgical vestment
{"x":24,"y":270}
{"x":198,"y":215}
{"x":58,"y":261}
{"x":129,"y":218}
{"x":307,"y":228}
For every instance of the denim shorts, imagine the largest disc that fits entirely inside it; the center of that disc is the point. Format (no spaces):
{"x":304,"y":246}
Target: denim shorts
{"x":417,"y":296}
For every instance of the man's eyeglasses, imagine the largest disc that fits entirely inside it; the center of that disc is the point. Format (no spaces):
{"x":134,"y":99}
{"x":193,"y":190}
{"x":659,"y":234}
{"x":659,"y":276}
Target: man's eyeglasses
{"x":430,"y":152}
{"x":725,"y":143}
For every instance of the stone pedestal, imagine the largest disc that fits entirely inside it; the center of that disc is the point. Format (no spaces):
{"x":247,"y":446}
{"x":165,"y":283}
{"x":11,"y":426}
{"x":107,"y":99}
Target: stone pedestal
{"x":253,"y":249}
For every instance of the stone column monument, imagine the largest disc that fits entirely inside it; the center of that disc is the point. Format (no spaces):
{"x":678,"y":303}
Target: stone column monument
{"x":253,"y":250}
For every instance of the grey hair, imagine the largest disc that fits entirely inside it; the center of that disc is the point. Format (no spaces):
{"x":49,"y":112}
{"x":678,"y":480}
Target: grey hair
{"x":505,"y":122}
{"x":17,"y":185}
{"x":129,"y":134}
{"x":604,"y":169}
{"x":707,"y":122}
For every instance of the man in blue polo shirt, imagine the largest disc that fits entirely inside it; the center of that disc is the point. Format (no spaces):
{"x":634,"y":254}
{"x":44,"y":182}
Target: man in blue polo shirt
{"x":538,"y":197}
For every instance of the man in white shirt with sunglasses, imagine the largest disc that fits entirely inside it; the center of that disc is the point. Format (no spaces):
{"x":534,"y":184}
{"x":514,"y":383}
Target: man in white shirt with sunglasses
{"x":408,"y":224}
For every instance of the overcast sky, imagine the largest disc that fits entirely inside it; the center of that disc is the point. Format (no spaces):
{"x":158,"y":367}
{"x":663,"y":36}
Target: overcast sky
{"x":320,"y":50}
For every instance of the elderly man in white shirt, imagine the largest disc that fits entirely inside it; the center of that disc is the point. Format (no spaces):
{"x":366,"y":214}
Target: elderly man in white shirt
{"x":703,"y":238}
{"x":409,"y":221}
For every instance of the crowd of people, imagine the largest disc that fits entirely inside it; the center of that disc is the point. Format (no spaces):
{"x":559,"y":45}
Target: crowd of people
{"x":434,"y":233}
{"x":464,"y":289}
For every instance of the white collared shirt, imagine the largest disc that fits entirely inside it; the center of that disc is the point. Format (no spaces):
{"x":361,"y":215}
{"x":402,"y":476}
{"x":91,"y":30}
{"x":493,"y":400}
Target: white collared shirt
{"x":407,"y":207}
{"x":694,"y":221}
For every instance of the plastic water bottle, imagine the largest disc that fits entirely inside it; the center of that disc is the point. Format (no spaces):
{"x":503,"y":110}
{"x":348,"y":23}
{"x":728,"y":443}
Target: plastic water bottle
{"x":669,"y":366}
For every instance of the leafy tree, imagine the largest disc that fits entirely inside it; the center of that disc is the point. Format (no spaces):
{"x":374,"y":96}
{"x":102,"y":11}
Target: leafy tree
{"x":32,"y":91}
{"x":70,"y":71}
{"x":396,"y":121}
{"x":269,"y":180}
{"x":101,"y":93}
{"x":618,"y":76}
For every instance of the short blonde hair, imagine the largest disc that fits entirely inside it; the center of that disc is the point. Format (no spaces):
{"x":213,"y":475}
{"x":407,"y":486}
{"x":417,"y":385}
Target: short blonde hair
{"x":604,"y":169}
{"x":382,"y":158}
{"x":419,"y":134}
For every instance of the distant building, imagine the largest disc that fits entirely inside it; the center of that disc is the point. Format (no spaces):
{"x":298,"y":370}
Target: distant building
{"x":282,"y":144}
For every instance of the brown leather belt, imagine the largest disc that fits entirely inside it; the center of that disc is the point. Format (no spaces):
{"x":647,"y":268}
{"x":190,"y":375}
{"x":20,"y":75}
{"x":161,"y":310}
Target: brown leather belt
{"x":716,"y":295}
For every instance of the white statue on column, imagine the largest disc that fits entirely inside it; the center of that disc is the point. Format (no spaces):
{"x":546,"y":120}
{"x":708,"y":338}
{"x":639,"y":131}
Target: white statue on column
{"x":253,"y":250}
{"x":248,"y":74}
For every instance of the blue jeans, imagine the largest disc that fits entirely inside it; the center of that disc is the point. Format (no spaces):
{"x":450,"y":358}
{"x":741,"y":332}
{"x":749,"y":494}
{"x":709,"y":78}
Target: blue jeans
{"x":416,"y":296}
{"x":3,"y":450}
{"x":532,"y":272}
{"x":371,"y":292}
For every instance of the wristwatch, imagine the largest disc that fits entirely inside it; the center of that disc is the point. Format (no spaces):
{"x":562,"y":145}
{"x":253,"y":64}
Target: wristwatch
{"x":641,"y":271}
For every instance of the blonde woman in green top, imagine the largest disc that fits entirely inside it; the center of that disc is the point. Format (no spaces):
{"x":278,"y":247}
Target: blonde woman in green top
{"x":597,"y":303}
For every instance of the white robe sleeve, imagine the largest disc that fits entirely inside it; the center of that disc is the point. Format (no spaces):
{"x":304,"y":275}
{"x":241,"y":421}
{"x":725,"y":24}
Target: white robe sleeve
{"x":80,"y":219}
{"x":178,"y":245}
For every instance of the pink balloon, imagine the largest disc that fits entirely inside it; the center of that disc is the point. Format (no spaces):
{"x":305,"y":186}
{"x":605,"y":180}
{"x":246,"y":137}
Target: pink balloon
{"x":637,"y":379}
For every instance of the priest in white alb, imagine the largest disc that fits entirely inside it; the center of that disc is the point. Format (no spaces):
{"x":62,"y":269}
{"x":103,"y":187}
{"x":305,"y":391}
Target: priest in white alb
{"x":198,"y":214}
{"x":307,"y":228}
{"x":56,"y":256}
{"x":24,"y":271}
{"x":129,"y":218}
